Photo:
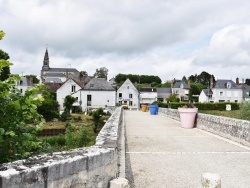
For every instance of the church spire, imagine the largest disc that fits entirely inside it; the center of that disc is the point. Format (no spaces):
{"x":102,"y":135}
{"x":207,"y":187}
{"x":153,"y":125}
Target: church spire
{"x":46,"y":60}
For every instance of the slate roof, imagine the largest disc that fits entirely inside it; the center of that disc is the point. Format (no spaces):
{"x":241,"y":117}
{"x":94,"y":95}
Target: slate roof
{"x":147,"y":89}
{"x":53,"y":86}
{"x":98,"y":84}
{"x":53,"y":74}
{"x":24,"y":82}
{"x":207,"y":92}
{"x":246,"y":92}
{"x":63,"y":70}
{"x":178,"y":85}
{"x":221,"y":84}
{"x":53,"y":80}
{"x":164,"y":90}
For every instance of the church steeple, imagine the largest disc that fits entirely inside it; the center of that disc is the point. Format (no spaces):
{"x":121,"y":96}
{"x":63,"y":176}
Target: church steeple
{"x":46,"y":60}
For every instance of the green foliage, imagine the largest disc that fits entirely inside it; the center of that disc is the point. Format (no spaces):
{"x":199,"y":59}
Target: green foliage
{"x":135,"y":78}
{"x":97,"y":119}
{"x":203,"y":78}
{"x":68,"y":104}
{"x":49,"y":107}
{"x":245,"y":110}
{"x":161,"y":104}
{"x":63,"y":117}
{"x":207,"y":106}
{"x":33,"y":77}
{"x":6,"y":70}
{"x":19,"y":120}
{"x":173,"y":98}
{"x":101,"y":73}
{"x":166,"y":85}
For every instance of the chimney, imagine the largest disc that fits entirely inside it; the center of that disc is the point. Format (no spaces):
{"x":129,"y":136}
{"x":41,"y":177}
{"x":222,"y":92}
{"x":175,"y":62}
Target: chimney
{"x":237,"y":81}
{"x":172,"y":83}
{"x":211,"y":81}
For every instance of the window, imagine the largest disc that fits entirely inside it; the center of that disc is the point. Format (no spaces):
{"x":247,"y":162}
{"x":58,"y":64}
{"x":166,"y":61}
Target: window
{"x":73,"y":88}
{"x":21,"y":90}
{"x":128,"y":87}
{"x":120,"y":95}
{"x":130,"y":103}
{"x":130,"y":96}
{"x":221,"y":93}
{"x":77,"y":98}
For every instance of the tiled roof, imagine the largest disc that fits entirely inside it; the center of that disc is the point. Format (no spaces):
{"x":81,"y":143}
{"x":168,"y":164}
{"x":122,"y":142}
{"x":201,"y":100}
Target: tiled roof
{"x":53,"y":86}
{"x":178,"y":85}
{"x":164,"y":90}
{"x":53,"y":74}
{"x":147,"y":89}
{"x":223,"y":84}
{"x":63,"y":70}
{"x":98,"y":84}
{"x":53,"y":80}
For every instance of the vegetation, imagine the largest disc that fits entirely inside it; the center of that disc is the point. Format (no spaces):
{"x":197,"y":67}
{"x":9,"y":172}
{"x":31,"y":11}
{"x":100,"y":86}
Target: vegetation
{"x":5,"y":70}
{"x":245,"y":111}
{"x":101,"y":73}
{"x":230,"y":114}
{"x":173,"y":98}
{"x":49,"y":107}
{"x":68,"y":105}
{"x":135,"y":78}
{"x":97,"y":119}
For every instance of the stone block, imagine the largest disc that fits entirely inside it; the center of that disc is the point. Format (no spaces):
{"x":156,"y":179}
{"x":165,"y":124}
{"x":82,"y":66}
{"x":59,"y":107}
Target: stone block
{"x":119,"y":183}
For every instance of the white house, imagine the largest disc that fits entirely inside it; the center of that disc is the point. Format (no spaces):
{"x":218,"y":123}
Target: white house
{"x":128,"y":95}
{"x":181,"y":89}
{"x":163,"y":94}
{"x":222,"y":91}
{"x":148,"y":95}
{"x":69,"y":87}
{"x":97,"y":93}
{"x":24,"y":84}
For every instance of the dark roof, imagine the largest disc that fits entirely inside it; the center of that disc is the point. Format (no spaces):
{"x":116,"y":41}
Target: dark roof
{"x":63,"y":70}
{"x":207,"y":92}
{"x":147,"y":89}
{"x":24,"y":82}
{"x":164,"y":90}
{"x":53,"y":80}
{"x":98,"y":84}
{"x":53,"y":74}
{"x":53,"y":86}
{"x":178,"y":85}
{"x":246,"y":92}
{"x":223,"y":84}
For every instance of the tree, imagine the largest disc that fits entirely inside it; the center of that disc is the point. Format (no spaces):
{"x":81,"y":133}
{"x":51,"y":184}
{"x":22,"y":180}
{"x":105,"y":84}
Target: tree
{"x":19,"y":120}
{"x":83,"y":74}
{"x":173,"y":98}
{"x":97,"y":118}
{"x":167,"y":84}
{"x":6,"y":70}
{"x":101,"y":73}
{"x":33,"y":77}
{"x":184,"y":79}
{"x":68,"y":104}
{"x":49,"y":107}
{"x":247,"y":81}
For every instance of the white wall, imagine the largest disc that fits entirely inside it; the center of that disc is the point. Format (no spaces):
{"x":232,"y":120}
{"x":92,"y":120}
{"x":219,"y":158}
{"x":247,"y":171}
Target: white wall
{"x":202,"y":97}
{"x":148,"y":97}
{"x":64,"y":90}
{"x":98,"y":98}
{"x":126,"y":89}
{"x":228,"y":95}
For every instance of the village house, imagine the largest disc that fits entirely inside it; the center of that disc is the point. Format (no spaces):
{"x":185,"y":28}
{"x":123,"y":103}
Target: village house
{"x":222,"y":91}
{"x":95,"y":94}
{"x":181,"y":89}
{"x":128,"y":95}
{"x":24,"y":84}
{"x":148,"y":95}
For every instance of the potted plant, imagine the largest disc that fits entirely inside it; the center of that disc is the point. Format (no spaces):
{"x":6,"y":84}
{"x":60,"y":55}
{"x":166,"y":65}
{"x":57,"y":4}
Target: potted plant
{"x":187,"y":115}
{"x":153,"y":108}
{"x":144,"y":107}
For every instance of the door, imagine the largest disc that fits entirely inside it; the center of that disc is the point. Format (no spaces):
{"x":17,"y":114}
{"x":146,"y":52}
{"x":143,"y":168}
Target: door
{"x":89,"y":100}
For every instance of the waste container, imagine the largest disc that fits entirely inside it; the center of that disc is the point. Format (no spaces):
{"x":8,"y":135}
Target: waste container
{"x":153,"y":109}
{"x":144,"y":107}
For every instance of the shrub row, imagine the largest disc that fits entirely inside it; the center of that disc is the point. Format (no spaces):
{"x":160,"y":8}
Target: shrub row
{"x":205,"y":106}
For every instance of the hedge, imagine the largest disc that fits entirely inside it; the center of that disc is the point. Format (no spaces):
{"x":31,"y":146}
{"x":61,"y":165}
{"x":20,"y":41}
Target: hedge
{"x":207,"y":106}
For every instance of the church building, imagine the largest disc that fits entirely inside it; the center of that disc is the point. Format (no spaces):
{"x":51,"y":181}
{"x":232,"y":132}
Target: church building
{"x":56,"y":75}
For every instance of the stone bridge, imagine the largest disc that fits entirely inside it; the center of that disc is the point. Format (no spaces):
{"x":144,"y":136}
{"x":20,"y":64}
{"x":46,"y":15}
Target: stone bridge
{"x":157,"y":152}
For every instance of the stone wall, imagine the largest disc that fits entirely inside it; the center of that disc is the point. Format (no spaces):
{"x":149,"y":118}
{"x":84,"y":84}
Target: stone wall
{"x":83,"y":167}
{"x":233,"y":129}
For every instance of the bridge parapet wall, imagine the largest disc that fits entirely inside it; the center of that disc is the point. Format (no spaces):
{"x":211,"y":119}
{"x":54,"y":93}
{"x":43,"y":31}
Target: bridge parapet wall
{"x":85,"y":167}
{"x":231,"y":128}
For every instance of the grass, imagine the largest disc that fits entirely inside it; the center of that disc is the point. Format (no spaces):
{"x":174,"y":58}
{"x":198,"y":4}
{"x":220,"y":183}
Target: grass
{"x":231,"y":114}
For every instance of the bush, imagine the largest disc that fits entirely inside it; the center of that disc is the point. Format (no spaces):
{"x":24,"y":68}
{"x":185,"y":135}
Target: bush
{"x":63,"y":117}
{"x":245,"y":111}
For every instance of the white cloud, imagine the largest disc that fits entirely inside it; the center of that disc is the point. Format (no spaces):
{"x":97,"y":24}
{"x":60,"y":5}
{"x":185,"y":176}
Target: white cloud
{"x":139,"y":37}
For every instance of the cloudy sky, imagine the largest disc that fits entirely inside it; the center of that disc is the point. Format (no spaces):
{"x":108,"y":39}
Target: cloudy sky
{"x":168,"y":38}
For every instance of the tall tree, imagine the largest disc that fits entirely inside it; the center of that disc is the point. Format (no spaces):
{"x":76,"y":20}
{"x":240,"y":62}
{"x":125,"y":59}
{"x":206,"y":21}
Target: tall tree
{"x":101,"y":73}
{"x":6,"y":70}
{"x":34,"y":78}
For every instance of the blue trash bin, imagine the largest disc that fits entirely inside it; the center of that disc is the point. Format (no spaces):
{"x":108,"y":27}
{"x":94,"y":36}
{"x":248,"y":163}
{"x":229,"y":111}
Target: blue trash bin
{"x":153,"y":109}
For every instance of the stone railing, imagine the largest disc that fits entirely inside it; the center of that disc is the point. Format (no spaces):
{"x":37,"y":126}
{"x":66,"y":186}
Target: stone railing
{"x":233,"y":129}
{"x":93,"y":166}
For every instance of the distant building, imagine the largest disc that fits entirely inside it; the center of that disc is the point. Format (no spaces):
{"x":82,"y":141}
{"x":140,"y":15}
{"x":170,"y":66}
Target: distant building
{"x":128,"y":95}
{"x":163,"y":94}
{"x":24,"y":84}
{"x":148,"y":95}
{"x":222,"y":91}
{"x":56,"y":75}
{"x":181,"y":89}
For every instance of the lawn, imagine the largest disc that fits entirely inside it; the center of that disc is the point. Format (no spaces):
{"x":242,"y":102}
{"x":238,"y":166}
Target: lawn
{"x":231,"y":114}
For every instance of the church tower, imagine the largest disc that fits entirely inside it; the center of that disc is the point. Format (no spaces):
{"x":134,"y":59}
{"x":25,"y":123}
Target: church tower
{"x":46,"y":61}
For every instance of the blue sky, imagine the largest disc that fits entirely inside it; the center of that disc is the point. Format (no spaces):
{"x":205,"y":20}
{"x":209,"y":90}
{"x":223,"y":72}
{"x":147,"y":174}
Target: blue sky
{"x":168,"y":38}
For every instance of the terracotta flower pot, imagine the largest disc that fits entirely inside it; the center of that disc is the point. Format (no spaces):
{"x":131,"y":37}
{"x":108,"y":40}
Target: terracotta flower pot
{"x":187,"y":116}
{"x":144,"y":107}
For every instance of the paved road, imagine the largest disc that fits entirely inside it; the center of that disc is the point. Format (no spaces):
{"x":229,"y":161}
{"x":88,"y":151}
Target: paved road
{"x":159,"y":153}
